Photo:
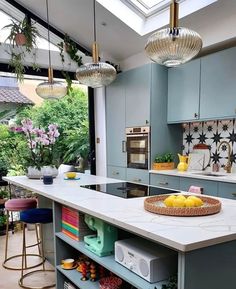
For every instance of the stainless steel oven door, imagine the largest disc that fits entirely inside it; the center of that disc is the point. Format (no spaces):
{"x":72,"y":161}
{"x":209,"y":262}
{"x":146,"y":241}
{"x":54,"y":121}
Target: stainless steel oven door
{"x":137,"y":142}
{"x":137,"y":159}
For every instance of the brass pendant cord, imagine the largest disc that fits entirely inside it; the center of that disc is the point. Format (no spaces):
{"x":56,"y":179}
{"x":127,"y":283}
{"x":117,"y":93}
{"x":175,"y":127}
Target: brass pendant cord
{"x":50,"y":71}
{"x":174,"y":14}
{"x":95,"y":45}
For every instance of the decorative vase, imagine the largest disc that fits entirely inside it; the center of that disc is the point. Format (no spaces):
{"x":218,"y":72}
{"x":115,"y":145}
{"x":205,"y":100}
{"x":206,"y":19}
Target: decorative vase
{"x":183,"y":163}
{"x":34,"y":173}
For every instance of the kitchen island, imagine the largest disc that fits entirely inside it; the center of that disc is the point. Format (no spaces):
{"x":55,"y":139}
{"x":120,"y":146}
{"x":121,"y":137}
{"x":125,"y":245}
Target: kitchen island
{"x":206,"y":245}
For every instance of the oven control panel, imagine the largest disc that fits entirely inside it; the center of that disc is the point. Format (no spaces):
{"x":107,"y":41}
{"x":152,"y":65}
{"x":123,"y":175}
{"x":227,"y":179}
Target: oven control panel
{"x":137,"y":130}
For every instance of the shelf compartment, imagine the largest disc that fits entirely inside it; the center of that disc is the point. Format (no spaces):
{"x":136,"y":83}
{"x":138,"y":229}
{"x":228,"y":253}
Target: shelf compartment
{"x":74,"y":276}
{"x":109,"y":263}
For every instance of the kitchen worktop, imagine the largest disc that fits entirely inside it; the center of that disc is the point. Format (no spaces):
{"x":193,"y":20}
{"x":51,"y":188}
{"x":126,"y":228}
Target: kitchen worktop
{"x":206,"y":175}
{"x":181,"y":233}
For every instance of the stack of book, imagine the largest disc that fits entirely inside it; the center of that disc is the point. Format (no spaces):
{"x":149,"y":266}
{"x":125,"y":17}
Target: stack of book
{"x":73,"y":224}
{"x":68,"y":285}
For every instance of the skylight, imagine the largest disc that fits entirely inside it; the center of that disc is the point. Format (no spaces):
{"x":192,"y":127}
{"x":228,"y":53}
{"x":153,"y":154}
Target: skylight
{"x":148,"y":7}
{"x":145,"y":16}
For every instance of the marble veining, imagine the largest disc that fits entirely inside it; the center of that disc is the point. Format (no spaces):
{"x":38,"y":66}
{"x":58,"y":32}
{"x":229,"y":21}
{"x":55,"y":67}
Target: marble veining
{"x":180,"y":233}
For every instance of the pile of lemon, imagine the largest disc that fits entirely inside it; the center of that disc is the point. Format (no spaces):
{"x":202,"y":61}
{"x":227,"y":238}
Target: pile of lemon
{"x":180,"y":201}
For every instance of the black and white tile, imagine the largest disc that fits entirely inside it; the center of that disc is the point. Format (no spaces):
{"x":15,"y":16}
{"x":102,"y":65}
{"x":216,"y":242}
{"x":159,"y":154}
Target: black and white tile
{"x":211,"y":133}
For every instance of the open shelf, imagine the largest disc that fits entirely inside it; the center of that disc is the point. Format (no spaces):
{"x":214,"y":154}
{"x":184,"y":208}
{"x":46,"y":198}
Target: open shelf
{"x":74,"y":276}
{"x":109,"y":263}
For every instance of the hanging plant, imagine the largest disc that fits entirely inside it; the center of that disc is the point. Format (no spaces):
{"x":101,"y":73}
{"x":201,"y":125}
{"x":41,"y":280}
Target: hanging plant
{"x":22,"y":39}
{"x":69,"y":47}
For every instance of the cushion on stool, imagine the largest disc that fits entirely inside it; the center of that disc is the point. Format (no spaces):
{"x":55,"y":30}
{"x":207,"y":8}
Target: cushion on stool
{"x":38,"y":215}
{"x":20,"y":204}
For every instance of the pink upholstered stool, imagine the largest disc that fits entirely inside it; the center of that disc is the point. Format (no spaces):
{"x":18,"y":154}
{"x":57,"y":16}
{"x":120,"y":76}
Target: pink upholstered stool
{"x":18,"y":205}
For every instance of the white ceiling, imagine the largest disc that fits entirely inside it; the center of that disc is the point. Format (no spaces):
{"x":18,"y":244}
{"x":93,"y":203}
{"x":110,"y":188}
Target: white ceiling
{"x":116,"y":39}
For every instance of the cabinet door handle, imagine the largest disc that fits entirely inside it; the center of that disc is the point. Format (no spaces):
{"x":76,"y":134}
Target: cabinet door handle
{"x":163,"y":183}
{"x":195,"y":115}
{"x":115,"y":173}
{"x":123,"y":146}
{"x":137,"y":180}
{"x":234,"y":194}
{"x":147,"y":122}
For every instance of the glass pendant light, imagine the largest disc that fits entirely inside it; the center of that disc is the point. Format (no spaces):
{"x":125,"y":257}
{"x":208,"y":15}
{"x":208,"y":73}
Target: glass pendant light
{"x":95,"y":74}
{"x":51,"y":89}
{"x":174,"y":45}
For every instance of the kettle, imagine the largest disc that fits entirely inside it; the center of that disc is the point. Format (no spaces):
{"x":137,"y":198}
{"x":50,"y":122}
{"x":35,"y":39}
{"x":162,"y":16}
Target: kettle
{"x":183,"y":163}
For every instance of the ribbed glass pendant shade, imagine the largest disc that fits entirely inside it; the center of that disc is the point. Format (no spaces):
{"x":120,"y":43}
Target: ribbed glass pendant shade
{"x":51,"y":90}
{"x":96,"y":74}
{"x":173,"y":46}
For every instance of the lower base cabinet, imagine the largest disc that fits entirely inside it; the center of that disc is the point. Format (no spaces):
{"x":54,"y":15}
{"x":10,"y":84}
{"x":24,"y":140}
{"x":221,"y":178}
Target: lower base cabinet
{"x":209,"y":187}
{"x":129,"y":175}
{"x":227,"y":190}
{"x":66,"y":247}
{"x":116,"y":172}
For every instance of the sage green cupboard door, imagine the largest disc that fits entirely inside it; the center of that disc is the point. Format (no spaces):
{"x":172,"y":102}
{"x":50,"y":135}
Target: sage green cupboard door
{"x":183,"y":92}
{"x":137,"y":91}
{"x":115,"y":123}
{"x":218,"y":84}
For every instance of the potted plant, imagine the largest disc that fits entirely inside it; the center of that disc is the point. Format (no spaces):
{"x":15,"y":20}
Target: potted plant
{"x":42,"y":155}
{"x":22,"y":38}
{"x":69,"y":47}
{"x":164,"y":162}
{"x":22,"y":33}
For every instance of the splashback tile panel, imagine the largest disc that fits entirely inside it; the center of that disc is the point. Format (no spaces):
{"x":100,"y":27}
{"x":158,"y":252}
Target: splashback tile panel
{"x":211,"y":133}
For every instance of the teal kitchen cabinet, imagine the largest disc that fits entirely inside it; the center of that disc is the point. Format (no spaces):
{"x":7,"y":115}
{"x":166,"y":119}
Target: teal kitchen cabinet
{"x":184,"y":92}
{"x":116,"y":172}
{"x":218,"y":85}
{"x":227,"y":190}
{"x":209,"y":187}
{"x":165,"y":181}
{"x":137,"y":176}
{"x":137,"y":92}
{"x":138,"y":97}
{"x":115,"y":123}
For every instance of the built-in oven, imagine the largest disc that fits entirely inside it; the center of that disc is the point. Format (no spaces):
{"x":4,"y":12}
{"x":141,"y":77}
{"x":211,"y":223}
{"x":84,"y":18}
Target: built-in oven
{"x":138,"y":147}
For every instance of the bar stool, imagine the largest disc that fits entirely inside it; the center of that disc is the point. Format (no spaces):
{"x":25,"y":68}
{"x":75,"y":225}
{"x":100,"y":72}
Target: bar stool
{"x":35,"y":216}
{"x":17,"y":205}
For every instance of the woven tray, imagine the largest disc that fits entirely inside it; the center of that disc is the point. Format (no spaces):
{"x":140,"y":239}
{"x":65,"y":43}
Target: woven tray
{"x":155,"y":205}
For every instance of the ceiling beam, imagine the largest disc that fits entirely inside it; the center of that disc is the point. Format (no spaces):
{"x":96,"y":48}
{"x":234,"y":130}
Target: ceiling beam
{"x":4,"y":67}
{"x":44,"y":24}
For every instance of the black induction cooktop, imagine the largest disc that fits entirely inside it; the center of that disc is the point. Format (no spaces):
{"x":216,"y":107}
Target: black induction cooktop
{"x":128,"y":190}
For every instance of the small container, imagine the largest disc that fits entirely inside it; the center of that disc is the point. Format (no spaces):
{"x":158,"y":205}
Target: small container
{"x":47,"y":180}
{"x":215,"y":167}
{"x":111,"y":282}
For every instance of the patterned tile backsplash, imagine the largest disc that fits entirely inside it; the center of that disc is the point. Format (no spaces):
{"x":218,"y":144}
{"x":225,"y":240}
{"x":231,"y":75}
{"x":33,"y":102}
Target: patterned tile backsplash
{"x":211,"y":133}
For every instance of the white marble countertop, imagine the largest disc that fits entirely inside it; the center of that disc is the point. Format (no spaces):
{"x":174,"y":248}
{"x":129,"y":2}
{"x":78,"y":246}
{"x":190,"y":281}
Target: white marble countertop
{"x":204,"y":175}
{"x":180,"y":233}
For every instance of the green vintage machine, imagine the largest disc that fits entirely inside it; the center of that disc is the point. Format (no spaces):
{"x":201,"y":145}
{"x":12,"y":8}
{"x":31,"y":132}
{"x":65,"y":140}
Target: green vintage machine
{"x":101,"y":243}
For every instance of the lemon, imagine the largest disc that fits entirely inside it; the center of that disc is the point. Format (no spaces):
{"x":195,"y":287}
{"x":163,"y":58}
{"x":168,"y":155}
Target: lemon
{"x":197,"y":201}
{"x":181,"y":197}
{"x":179,"y":202}
{"x":189,"y":203}
{"x":169,"y":201}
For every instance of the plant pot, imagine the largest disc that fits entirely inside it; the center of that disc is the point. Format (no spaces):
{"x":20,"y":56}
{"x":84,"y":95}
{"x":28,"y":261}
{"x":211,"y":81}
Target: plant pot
{"x":20,"y":39}
{"x":34,"y":173}
{"x":163,"y":166}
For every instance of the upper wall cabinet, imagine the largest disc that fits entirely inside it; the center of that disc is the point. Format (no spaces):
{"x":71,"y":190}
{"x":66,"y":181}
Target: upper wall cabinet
{"x":137,"y":91}
{"x":115,"y":122}
{"x":218,"y":85}
{"x":183,"y":92}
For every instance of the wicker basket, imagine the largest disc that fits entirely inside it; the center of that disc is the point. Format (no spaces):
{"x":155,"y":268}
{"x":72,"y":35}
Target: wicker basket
{"x":163,"y":166}
{"x":155,"y":205}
